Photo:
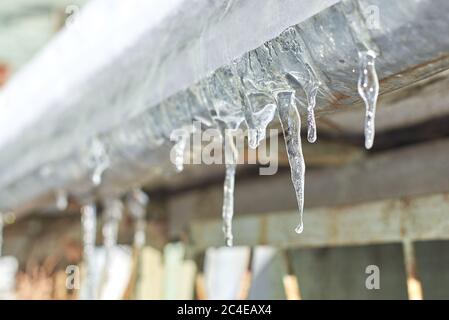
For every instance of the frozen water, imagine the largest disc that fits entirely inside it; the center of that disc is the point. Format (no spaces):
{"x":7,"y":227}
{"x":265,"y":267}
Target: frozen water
{"x":291,"y":126}
{"x":137,"y":202}
{"x":89,"y":225}
{"x":112,"y":215}
{"x":61,"y":199}
{"x":368,"y":88}
{"x":180,"y":147}
{"x":97,"y":160}
{"x":231,"y":155}
{"x":311,"y":89}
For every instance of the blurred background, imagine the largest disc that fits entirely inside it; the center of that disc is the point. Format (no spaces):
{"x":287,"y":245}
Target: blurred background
{"x":376,"y":221}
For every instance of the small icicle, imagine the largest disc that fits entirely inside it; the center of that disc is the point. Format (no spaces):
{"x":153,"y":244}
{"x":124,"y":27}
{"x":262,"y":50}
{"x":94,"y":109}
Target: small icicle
{"x":256,"y":122}
{"x":62,"y":199}
{"x":137,"y":202}
{"x":311,"y":89}
{"x":231,"y":155}
{"x":291,"y":126}
{"x":98,"y":161}
{"x":89,"y":225}
{"x":262,"y":120}
{"x":368,"y":88}
{"x":255,"y":134}
{"x":180,"y":147}
{"x":113,"y":215}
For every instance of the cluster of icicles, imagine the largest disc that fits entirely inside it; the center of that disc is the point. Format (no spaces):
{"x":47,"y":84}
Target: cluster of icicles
{"x":284,"y":71}
{"x":277,"y":93}
{"x":113,"y":208}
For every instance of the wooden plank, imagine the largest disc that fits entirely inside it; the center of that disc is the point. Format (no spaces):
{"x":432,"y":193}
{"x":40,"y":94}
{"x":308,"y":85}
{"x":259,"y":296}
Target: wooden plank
{"x":432,"y":260}
{"x":8,"y":269}
{"x":340,"y":273}
{"x":149,"y":284}
{"x":173,"y":258}
{"x":268,"y":269}
{"x":186,"y":280}
{"x":224,"y":271}
{"x":421,"y":218}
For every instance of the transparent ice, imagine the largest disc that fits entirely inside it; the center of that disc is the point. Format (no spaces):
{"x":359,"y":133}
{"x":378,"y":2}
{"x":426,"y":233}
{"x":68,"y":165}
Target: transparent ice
{"x":291,"y":126}
{"x":368,"y":88}
{"x":89,"y":227}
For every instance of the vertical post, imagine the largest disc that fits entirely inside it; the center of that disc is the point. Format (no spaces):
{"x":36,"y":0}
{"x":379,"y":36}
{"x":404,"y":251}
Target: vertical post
{"x":290,"y":280}
{"x":414,"y":287}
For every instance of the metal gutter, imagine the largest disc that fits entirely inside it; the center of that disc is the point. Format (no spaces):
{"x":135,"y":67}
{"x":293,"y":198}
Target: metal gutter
{"x":123,"y":100}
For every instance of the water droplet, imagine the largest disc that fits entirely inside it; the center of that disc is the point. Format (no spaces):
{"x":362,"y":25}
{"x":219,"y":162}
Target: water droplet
{"x":62,"y":199}
{"x":97,"y":160}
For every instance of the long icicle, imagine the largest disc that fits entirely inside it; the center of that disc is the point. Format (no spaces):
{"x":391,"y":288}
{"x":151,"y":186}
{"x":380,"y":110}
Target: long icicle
{"x":231,"y":155}
{"x":291,"y":126}
{"x":113,"y":216}
{"x":137,"y":202}
{"x":89,"y":225}
{"x":368,"y":88}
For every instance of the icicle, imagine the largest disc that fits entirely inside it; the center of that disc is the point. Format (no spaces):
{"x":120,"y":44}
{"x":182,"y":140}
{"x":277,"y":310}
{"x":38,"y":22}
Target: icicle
{"x":291,"y":126}
{"x":61,"y":199}
{"x":89,"y":225}
{"x":137,"y":202}
{"x":113,"y":215}
{"x":98,"y":161}
{"x":262,"y":118}
{"x":231,"y":155}
{"x":311,"y":89}
{"x":368,"y":88}
{"x":180,"y":146}
{"x":256,"y":121}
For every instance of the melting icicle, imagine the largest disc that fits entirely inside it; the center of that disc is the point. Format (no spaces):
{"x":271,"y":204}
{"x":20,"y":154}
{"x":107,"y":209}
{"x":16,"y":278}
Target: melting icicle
{"x":98,"y":161}
{"x":311,"y":89}
{"x":256,"y":121}
{"x":62,"y":199}
{"x":231,"y":155}
{"x":113,"y":215}
{"x":291,"y":126}
{"x":368,"y":88}
{"x":89,"y":225}
{"x":179,"y":150}
{"x":181,"y":137}
{"x":262,"y":118}
{"x":137,"y":202}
